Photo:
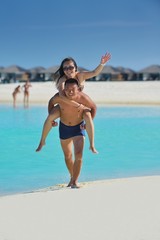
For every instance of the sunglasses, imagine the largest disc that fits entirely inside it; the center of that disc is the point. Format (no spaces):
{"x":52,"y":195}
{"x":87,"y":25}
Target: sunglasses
{"x":68,"y":68}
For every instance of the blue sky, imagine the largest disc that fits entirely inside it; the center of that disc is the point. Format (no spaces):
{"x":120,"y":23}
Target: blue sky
{"x":44,"y":32}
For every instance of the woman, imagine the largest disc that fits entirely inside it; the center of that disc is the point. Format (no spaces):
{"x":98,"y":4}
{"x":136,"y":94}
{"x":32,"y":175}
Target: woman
{"x":68,"y":69}
{"x":26,"y":87}
{"x":14,"y":94}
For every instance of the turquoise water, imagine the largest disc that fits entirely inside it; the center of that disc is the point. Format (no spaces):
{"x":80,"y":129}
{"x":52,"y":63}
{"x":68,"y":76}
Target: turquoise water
{"x":127,"y":138}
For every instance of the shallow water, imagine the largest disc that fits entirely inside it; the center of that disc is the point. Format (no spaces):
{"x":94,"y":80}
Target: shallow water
{"x":127,"y":138}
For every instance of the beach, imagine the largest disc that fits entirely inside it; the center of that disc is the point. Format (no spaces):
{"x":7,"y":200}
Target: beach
{"x":123,"y":209}
{"x":112,"y":209}
{"x":133,"y":92}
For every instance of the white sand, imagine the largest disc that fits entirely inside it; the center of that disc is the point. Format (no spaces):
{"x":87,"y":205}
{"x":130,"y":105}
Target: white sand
{"x":122,"y":209}
{"x":101,"y":92}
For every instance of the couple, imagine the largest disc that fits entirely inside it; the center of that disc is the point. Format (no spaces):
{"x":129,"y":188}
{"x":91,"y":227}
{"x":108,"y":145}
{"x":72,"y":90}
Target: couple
{"x":73,"y":107}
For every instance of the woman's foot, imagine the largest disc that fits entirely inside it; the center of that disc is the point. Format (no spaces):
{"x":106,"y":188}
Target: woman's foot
{"x":93,"y":149}
{"x":40,"y":146}
{"x":54,"y":124}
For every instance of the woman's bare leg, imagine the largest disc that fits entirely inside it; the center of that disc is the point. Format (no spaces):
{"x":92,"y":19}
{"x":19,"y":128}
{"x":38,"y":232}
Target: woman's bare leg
{"x":54,"y":114}
{"x":90,"y":129}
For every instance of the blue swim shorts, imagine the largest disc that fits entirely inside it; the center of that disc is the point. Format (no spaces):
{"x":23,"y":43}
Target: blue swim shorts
{"x":66,"y":132}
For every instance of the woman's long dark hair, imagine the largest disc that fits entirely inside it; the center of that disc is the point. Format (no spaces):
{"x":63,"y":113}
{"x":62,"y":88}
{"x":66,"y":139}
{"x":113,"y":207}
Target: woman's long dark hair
{"x":60,"y":73}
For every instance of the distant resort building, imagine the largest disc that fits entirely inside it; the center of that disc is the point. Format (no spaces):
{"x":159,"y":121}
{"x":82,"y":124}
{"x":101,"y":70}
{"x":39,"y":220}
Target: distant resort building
{"x":150,"y":73}
{"x":16,"y":73}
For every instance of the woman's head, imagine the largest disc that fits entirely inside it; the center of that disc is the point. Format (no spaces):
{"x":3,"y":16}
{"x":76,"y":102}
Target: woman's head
{"x":67,"y":62}
{"x":68,"y":67}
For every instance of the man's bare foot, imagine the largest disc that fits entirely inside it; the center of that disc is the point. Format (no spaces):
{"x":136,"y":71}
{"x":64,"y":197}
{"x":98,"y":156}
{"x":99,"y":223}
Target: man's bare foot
{"x":93,"y":149}
{"x":70,"y":183}
{"x":54,"y":124}
{"x":40,"y":147}
{"x":74,"y":184}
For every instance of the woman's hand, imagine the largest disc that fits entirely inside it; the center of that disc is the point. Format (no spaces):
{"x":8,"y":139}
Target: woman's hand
{"x":105,"y":58}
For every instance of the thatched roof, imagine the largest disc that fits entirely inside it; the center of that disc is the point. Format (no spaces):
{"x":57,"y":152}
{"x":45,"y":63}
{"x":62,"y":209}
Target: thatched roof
{"x":151,"y":69}
{"x":110,"y":70}
{"x":125,"y":70}
{"x":52,"y":69}
{"x":37,"y":70}
{"x":81,"y":69}
{"x":14,"y":69}
{"x":1,"y":68}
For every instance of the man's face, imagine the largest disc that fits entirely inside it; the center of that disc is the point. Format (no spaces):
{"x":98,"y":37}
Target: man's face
{"x":71,"y":90}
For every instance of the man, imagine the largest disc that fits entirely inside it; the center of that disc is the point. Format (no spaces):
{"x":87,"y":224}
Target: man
{"x":71,"y":131}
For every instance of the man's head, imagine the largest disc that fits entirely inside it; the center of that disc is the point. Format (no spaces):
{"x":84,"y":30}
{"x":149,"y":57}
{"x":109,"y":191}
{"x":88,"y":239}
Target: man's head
{"x":71,"y":88}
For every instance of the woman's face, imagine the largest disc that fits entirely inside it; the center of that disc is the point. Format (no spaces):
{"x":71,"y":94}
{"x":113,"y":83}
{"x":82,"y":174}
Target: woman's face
{"x":69,"y":69}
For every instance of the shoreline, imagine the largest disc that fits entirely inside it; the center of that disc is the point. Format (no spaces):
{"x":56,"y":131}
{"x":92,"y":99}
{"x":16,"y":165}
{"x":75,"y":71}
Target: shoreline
{"x":63,"y":186}
{"x":126,"y":208}
{"x":108,"y":93}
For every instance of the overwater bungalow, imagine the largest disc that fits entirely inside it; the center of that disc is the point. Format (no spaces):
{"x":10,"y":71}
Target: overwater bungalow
{"x":37,"y":74}
{"x":16,"y":73}
{"x":12,"y":74}
{"x":150,"y":73}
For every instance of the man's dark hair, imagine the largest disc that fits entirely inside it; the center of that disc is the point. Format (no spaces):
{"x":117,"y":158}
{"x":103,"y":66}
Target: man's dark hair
{"x":71,"y":80}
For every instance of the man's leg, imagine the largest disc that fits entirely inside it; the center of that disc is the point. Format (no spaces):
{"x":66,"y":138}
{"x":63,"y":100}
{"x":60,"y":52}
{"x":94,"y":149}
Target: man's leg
{"x":47,"y":126}
{"x":78,"y":142}
{"x":67,"y":150}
